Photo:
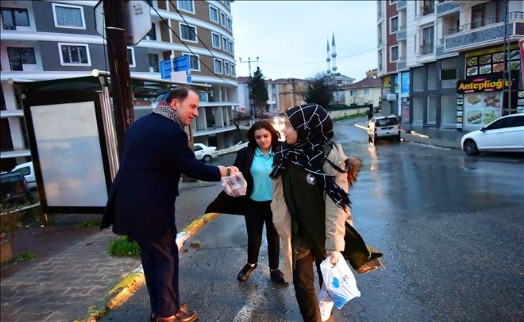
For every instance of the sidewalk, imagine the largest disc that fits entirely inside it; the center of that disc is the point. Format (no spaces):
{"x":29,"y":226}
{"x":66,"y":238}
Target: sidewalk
{"x":444,"y":138}
{"x":83,"y":282}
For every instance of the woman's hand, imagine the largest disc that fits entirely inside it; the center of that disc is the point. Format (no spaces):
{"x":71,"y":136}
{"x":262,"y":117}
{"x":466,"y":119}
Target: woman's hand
{"x":334,"y":256}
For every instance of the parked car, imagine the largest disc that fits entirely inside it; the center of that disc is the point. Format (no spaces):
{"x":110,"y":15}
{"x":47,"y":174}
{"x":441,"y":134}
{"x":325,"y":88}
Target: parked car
{"x":14,"y":190}
{"x":505,"y":134}
{"x":380,"y":126}
{"x":27,"y":170}
{"x":204,"y":152}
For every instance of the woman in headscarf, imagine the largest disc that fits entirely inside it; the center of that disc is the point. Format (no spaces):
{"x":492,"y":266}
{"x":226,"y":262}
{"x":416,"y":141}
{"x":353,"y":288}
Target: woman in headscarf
{"x":310,"y":200}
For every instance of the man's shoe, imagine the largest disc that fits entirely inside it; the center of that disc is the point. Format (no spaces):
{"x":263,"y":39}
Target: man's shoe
{"x":277,"y":276}
{"x":183,"y":307}
{"x":188,"y":316}
{"x":244,"y":273}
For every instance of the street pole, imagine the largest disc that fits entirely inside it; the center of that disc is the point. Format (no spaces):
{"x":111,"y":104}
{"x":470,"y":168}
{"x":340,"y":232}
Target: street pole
{"x":250,"y":80}
{"x":120,"y":76}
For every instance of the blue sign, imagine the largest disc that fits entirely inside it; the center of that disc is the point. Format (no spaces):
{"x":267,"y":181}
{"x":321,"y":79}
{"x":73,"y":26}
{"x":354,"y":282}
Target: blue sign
{"x":405,"y":83}
{"x":180,"y":63}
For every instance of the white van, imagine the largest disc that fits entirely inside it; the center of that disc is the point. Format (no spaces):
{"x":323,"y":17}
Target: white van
{"x":383,"y":127}
{"x":26,"y":169}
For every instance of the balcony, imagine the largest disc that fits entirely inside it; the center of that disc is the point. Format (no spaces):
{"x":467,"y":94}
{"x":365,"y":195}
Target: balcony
{"x":445,"y":8}
{"x":401,"y":33}
{"x":479,"y":34}
{"x":401,"y":4}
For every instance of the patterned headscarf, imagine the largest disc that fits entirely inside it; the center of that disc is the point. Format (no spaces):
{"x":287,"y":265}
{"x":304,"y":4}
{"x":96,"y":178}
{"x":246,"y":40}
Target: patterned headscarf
{"x":166,"y":111}
{"x":313,"y":126}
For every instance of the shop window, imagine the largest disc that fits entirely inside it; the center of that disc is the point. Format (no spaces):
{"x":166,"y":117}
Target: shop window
{"x":14,"y":17}
{"x":418,"y":79}
{"x":448,"y":78}
{"x":448,"y":110}
{"x":432,"y":76}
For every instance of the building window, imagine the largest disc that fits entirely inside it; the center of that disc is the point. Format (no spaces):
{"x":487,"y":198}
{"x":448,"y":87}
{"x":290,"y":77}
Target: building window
{"x":228,"y":24}
{"x":224,"y":43}
{"x":131,"y":57}
{"x":18,"y":56}
{"x":393,"y":25}
{"x":233,"y":70}
{"x":215,"y":40}
{"x":186,"y":5}
{"x":194,"y":61}
{"x":218,"y":66}
{"x":213,"y":14}
{"x":152,"y":33}
{"x":226,"y":68}
{"x":231,"y":51}
{"x":428,"y":43}
{"x":366,"y":91}
{"x":74,"y":54}
{"x":14,"y":17}
{"x":154,"y":64}
{"x":67,"y":16}
{"x":222,"y":19}
{"x":428,"y":7}
{"x":188,"y":32}
{"x":393,"y":54}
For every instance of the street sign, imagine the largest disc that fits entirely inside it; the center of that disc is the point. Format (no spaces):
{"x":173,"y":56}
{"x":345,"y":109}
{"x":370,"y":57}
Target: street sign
{"x":137,"y":19}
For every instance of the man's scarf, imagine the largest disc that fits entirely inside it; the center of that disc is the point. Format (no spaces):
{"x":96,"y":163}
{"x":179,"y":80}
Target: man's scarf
{"x":166,"y":111}
{"x":313,"y":126}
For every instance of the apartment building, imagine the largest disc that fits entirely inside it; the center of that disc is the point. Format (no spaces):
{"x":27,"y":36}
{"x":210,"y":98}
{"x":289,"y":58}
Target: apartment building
{"x":47,"y":40}
{"x":450,"y":64}
{"x":283,"y":93}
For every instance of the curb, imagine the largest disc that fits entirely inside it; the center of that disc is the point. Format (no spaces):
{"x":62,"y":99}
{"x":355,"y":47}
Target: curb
{"x":132,"y":281}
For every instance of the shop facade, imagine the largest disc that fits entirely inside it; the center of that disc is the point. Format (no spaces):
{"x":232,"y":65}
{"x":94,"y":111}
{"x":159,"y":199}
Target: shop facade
{"x":487,"y":92}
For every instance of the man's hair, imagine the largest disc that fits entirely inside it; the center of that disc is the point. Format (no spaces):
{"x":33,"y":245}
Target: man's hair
{"x":179,"y":93}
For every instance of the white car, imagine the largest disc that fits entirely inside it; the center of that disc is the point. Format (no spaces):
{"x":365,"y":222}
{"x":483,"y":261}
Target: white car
{"x":505,"y":134}
{"x":381,"y":126}
{"x":27,"y":170}
{"x":204,"y":152}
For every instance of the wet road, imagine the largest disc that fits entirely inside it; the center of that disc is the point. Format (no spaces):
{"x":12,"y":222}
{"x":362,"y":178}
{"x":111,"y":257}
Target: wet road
{"x":450,"y":226}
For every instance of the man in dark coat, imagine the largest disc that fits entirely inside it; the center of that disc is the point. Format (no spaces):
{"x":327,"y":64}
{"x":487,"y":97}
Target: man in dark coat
{"x":142,"y":198}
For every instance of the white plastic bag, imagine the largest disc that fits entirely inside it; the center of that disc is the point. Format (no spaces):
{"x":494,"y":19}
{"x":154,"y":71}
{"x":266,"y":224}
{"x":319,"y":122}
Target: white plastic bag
{"x":325,"y":302}
{"x":340,"y":281}
{"x":234,"y":185}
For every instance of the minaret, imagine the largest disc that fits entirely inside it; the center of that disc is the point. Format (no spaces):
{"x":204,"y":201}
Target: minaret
{"x":328,"y":58}
{"x":334,"y":55}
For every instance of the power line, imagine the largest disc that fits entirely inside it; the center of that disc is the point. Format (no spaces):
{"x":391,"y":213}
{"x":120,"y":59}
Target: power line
{"x":319,"y":62}
{"x":191,"y":51}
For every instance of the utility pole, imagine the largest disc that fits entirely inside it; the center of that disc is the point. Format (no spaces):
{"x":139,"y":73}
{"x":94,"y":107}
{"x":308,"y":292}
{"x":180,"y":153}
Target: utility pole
{"x":250,"y":80}
{"x":121,"y":90}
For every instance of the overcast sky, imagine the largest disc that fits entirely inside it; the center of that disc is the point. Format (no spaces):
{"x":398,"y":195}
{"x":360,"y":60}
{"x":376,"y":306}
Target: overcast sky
{"x":289,"y":37}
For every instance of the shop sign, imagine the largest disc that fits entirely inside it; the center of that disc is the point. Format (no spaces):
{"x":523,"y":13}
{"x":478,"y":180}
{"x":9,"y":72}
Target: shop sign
{"x":487,"y":83}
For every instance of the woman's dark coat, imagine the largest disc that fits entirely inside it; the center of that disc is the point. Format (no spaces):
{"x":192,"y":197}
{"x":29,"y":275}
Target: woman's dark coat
{"x":226,"y":204}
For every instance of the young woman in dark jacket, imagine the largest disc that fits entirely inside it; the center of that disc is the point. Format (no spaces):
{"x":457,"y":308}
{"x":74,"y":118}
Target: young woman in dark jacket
{"x":255,"y":162}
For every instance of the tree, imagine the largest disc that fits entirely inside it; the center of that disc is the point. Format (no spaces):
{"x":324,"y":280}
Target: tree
{"x":259,"y":92}
{"x":320,"y":91}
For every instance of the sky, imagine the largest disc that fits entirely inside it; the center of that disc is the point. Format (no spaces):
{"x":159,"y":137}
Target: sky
{"x":289,"y":37}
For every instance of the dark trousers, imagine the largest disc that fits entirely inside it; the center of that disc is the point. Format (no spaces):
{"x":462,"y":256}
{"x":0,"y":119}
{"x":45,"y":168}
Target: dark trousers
{"x":160,"y":263}
{"x":304,"y":282}
{"x":259,"y":213}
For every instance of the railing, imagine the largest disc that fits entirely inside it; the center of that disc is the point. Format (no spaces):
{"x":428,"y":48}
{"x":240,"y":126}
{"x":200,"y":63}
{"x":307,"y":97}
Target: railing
{"x":515,"y":15}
